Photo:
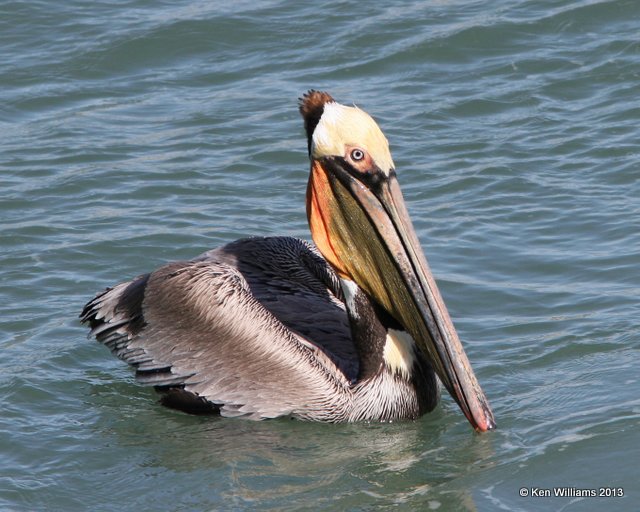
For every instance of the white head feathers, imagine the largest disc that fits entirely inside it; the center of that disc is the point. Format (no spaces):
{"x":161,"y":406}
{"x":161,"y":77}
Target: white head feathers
{"x":341,"y":127}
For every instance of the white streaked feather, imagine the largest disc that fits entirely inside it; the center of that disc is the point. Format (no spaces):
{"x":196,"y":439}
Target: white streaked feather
{"x":399,"y":352}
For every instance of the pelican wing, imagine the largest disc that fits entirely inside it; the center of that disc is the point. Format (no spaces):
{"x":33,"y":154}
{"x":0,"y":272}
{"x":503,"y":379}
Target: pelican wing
{"x":290,"y":279}
{"x":220,"y":330}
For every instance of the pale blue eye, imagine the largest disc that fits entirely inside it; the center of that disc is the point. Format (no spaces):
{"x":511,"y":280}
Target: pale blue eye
{"x":357,"y":155}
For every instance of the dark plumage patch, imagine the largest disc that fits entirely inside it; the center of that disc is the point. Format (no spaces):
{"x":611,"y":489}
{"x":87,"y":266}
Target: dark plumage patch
{"x":368,"y":333}
{"x":131,"y":303}
{"x":105,"y":317}
{"x":182,"y":400}
{"x":311,"y":108}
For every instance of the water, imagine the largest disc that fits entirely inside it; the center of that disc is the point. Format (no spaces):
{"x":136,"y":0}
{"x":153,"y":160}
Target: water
{"x":135,"y":133}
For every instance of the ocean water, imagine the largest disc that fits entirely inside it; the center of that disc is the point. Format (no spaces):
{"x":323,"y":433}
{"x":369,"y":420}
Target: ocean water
{"x":133,"y":133}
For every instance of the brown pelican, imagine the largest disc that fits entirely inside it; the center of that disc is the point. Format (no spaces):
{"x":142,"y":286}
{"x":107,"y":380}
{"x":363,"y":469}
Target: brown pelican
{"x":266,"y":327}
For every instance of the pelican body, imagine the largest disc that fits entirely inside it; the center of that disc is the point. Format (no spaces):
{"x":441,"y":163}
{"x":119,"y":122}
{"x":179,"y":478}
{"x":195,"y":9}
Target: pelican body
{"x":351,"y":329}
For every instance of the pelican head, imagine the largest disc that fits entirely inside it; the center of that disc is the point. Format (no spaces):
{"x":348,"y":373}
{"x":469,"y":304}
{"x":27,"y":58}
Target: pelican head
{"x":361,"y":226}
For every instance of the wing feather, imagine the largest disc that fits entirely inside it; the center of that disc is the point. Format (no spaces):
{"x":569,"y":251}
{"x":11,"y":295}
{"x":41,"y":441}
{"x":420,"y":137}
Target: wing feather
{"x":236,"y":333}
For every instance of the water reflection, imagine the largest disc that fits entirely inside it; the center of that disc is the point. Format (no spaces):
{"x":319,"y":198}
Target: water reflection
{"x":419,"y":463}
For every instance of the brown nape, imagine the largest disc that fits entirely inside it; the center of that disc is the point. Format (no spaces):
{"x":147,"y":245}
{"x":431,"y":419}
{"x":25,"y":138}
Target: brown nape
{"x":311,"y":107}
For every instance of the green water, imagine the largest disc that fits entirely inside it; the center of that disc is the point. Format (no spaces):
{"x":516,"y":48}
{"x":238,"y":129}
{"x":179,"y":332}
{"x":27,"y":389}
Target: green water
{"x":135,"y":133}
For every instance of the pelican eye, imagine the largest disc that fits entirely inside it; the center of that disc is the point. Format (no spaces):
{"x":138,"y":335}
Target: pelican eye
{"x":357,"y":155}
